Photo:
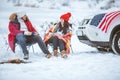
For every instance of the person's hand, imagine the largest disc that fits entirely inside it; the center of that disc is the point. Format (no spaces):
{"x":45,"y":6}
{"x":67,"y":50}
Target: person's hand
{"x":36,"y":33}
{"x":33,"y":33}
{"x":29,"y":33}
{"x":51,"y":34}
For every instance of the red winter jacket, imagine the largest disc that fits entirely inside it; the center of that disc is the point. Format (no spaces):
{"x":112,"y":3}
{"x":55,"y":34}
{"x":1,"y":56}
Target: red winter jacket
{"x":13,"y":28}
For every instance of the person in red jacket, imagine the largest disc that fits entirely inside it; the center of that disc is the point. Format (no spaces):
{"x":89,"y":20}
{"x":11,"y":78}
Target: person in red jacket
{"x":60,"y":35}
{"x":23,"y":33}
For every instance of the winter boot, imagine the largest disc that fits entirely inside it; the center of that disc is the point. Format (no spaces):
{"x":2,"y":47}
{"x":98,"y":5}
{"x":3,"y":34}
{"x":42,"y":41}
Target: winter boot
{"x":48,"y":55}
{"x":63,"y":54}
{"x":26,"y":56}
{"x":55,"y":53}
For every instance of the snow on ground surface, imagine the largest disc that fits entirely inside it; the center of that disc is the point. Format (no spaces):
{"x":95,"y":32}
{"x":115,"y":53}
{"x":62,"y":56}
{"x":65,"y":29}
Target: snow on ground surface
{"x":85,"y":63}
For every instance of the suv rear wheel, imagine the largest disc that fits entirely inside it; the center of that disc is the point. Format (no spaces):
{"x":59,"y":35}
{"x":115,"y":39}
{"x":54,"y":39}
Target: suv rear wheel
{"x":101,"y":49}
{"x":116,"y":43}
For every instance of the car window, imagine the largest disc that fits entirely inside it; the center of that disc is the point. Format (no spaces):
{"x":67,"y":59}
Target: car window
{"x":97,"y":19}
{"x":84,"y":22}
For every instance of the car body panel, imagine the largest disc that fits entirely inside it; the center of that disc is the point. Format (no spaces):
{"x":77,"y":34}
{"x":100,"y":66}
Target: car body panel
{"x":90,"y":33}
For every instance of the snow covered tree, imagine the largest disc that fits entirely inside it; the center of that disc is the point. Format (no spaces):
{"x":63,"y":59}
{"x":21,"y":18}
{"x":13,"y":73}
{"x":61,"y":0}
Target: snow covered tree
{"x":65,"y":2}
{"x":108,"y":4}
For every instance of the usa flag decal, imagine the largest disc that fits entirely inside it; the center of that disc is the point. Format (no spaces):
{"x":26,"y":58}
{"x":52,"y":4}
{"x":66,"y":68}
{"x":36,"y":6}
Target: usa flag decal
{"x":107,"y":19}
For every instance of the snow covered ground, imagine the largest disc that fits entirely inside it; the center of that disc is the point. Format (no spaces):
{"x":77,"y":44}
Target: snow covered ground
{"x":85,"y":63}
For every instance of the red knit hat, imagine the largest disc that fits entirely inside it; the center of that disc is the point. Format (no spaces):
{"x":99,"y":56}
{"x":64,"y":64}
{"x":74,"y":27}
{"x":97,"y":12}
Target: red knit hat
{"x":66,"y":16}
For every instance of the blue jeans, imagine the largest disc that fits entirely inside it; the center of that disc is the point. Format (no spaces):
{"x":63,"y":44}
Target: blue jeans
{"x":24,"y":40}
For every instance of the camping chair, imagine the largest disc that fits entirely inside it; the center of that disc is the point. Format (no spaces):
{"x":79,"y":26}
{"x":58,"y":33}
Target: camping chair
{"x":29,"y":46}
{"x":16,"y":44}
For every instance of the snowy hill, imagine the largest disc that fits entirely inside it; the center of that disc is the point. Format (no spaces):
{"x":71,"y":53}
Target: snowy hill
{"x":85,"y":63}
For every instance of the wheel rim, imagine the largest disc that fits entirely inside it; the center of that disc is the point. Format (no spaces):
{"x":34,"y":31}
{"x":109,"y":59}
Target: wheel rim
{"x":113,"y":45}
{"x":116,"y":44}
{"x":119,"y":43}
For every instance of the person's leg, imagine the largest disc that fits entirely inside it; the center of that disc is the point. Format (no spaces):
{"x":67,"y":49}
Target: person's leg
{"x":61,"y":45}
{"x":62,"y":48}
{"x":54,"y":40}
{"x":21,"y":40}
{"x":41,"y":44}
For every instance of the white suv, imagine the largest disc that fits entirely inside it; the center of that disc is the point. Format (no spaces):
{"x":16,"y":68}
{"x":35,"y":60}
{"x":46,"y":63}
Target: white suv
{"x":101,"y":31}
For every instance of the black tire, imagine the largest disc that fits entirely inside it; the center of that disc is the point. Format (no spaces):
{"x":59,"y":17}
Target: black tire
{"x":101,"y":49}
{"x":115,"y":45}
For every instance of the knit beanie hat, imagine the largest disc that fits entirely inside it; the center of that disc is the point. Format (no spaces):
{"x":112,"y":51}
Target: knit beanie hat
{"x":66,"y":16}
